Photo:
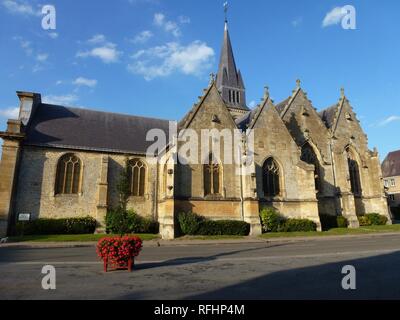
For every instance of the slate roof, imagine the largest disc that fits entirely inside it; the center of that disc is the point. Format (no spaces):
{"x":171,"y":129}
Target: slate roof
{"x":281,"y":105}
{"x":391,"y":165}
{"x":228,"y":75}
{"x":246,"y":119}
{"x":76,"y":128}
{"x":328,"y":115}
{"x":227,"y":63}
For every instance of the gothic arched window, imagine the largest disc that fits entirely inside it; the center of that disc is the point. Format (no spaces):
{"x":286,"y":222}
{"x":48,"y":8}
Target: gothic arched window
{"x":137,"y":177}
{"x":308,"y":155}
{"x":68,"y":177}
{"x":271,"y":176}
{"x":212,"y":177}
{"x":355,"y":182}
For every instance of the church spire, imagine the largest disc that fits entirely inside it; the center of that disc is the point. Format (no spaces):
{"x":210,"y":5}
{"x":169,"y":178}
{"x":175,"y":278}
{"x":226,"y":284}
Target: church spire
{"x":229,"y":79}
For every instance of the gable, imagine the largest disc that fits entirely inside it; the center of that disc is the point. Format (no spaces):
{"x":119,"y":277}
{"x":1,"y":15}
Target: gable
{"x":210,"y":112}
{"x":347,"y":127}
{"x":304,"y":123}
{"x":269,"y":127}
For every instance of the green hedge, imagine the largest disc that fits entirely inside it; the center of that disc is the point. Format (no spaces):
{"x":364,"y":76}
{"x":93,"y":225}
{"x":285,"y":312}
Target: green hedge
{"x":294,"y":225}
{"x":193,"y":224}
{"x":372,"y":219}
{"x":329,"y":222}
{"x":223,"y":227}
{"x":83,"y":225}
{"x":189,"y":222}
{"x":272,"y":221}
{"x":119,"y":222}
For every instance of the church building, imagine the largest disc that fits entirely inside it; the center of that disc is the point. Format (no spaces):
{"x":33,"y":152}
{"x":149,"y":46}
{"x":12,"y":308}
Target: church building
{"x":59,"y":161}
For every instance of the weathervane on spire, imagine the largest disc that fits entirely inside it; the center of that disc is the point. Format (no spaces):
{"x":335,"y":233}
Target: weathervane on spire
{"x":226,"y":11}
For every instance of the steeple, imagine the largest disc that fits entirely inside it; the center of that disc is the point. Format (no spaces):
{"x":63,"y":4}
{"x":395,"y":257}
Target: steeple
{"x":229,"y":80}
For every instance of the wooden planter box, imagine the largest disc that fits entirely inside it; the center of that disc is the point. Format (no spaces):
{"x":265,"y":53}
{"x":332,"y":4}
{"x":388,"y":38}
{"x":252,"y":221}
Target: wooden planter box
{"x":109,"y":266}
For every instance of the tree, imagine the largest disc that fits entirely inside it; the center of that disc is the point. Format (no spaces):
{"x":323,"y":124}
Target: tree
{"x":123,"y":186}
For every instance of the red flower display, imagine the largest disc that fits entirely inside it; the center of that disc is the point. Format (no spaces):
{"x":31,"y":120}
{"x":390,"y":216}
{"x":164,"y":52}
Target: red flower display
{"x":119,"y":251}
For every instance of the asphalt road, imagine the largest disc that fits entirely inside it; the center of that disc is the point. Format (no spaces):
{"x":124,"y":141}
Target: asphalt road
{"x":308,"y":269}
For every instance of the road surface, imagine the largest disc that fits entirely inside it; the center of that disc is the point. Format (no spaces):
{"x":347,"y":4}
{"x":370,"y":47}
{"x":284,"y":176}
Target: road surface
{"x":299,"y":269}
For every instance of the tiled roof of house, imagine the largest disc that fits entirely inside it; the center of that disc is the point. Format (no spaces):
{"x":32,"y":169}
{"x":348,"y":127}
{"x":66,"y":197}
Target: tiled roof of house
{"x":391,"y":165}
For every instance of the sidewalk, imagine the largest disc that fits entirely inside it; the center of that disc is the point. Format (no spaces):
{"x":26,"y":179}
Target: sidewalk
{"x":195,"y":242}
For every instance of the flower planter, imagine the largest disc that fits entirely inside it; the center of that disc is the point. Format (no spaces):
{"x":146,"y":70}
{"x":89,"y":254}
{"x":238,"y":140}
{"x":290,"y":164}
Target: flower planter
{"x":108,"y":266}
{"x":118,"y":253}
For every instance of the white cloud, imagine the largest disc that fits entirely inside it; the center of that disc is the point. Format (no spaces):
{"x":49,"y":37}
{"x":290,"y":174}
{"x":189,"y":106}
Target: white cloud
{"x":184,"y":20}
{"x":10,"y":113}
{"x":143,"y":36}
{"x":107,"y":53}
{"x":81,"y":81}
{"x":67,"y":99}
{"x":53,"y":35}
{"x":252,"y":104}
{"x":25,"y":45}
{"x":297,"y":22}
{"x":389,"y":120}
{"x":42,"y":57}
{"x":173,"y":28}
{"x":159,"y":19}
{"x":20,"y":7}
{"x":169,"y":26}
{"x":333,"y":17}
{"x":97,"y":38}
{"x":161,"y":61}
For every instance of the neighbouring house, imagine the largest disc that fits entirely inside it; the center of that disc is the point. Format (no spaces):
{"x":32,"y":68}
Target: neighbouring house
{"x":59,"y":161}
{"x":391,"y":181}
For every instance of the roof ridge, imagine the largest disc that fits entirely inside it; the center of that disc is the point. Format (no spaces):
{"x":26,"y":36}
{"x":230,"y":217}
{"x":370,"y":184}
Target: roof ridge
{"x":105,"y":112}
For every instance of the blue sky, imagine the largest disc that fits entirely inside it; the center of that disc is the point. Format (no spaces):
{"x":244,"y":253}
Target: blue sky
{"x":154,"y":57}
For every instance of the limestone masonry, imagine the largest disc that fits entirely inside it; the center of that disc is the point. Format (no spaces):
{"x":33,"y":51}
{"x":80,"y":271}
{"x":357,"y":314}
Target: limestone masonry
{"x":63,"y":162}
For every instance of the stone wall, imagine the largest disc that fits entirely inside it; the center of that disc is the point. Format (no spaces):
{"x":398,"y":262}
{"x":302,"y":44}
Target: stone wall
{"x":36,"y":182}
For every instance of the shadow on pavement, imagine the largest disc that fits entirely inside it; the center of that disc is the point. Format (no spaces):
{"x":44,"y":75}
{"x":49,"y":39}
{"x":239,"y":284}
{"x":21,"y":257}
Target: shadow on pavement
{"x":377,"y":277}
{"x":191,"y":260}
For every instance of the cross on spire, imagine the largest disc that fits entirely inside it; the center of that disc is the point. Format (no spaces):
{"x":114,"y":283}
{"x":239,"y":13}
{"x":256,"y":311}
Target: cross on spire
{"x":229,"y":80}
{"x":226,"y":10}
{"x":342,"y":92}
{"x":266,"y":92}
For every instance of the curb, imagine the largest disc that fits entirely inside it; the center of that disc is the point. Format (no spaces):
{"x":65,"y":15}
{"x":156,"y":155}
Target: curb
{"x":194,"y":242}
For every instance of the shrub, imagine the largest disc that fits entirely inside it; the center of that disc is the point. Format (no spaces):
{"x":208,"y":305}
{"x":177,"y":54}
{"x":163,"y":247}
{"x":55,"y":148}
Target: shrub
{"x":364,"y":221}
{"x":271,"y":220}
{"x":372,"y":219}
{"x":223,"y":227}
{"x":342,"y":222}
{"x":330,"y":222}
{"x":189,"y":222}
{"x":193,"y":224}
{"x":81,"y":225}
{"x":120,"y":222}
{"x":293,"y":225}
